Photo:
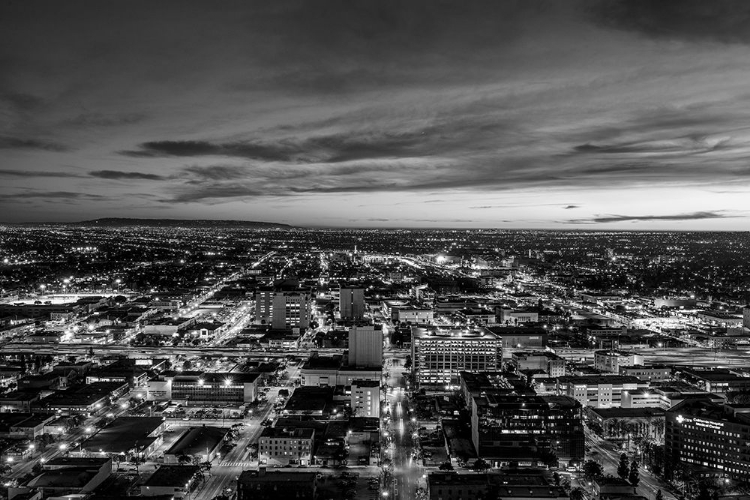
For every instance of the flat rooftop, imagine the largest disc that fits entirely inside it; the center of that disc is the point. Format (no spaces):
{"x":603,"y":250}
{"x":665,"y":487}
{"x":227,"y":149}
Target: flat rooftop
{"x":450,"y":333}
{"x":172,"y":475}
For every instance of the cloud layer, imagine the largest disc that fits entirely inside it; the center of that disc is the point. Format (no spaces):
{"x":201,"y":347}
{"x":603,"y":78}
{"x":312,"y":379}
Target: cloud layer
{"x":477,"y":113}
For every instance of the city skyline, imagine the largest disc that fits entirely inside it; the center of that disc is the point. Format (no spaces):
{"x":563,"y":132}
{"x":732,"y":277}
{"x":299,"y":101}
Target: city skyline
{"x":589,"y":115}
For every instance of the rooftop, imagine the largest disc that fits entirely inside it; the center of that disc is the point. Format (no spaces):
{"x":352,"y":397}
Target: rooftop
{"x":172,"y":475}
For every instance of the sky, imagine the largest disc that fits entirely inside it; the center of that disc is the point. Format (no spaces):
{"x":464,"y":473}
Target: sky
{"x":582,"y":114}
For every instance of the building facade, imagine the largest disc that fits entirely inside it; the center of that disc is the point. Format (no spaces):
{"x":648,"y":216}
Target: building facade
{"x":286,"y":446}
{"x":352,"y":302}
{"x":439,"y":355}
{"x":366,"y":346}
{"x":365,"y":398}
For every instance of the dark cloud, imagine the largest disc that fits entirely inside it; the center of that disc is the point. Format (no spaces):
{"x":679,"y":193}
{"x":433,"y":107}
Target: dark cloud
{"x":120,"y":175}
{"x":55,"y":195}
{"x":216,"y":173}
{"x":640,"y":218}
{"x":35,"y":173}
{"x":32,"y":144}
{"x":104,"y":120}
{"x":20,"y":101}
{"x":725,"y":21}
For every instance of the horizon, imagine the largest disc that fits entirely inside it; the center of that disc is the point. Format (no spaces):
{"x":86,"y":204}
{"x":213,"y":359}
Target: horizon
{"x":607,"y":115}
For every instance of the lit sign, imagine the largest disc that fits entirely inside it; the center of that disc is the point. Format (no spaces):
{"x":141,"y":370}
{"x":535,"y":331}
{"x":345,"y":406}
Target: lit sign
{"x":699,"y":422}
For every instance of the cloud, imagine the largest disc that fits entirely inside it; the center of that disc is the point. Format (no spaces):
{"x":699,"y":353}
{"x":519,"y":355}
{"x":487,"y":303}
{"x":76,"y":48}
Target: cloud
{"x":35,"y":173}
{"x":31,"y":144}
{"x":570,"y":207}
{"x":120,"y":175}
{"x":216,"y":173}
{"x":104,"y":120}
{"x":641,"y":218}
{"x":726,"y":21}
{"x":55,"y":195}
{"x":21,"y":102}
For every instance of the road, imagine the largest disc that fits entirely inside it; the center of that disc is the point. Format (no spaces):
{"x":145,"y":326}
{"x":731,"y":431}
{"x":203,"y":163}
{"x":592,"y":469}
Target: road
{"x":407,"y":472}
{"x":606,"y":454}
{"x":226,"y":469}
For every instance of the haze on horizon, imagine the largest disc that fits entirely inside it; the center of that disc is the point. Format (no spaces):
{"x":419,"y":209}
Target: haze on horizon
{"x":612,"y":114}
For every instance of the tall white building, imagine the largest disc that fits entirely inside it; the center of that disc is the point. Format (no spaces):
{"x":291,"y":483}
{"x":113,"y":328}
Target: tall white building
{"x":352,"y":302}
{"x":366,"y":346}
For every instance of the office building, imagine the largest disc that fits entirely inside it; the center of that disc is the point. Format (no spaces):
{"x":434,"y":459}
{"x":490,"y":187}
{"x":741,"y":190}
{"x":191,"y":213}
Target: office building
{"x":440,"y":354}
{"x":526,"y":429}
{"x":365,"y":398}
{"x":352,"y":302}
{"x":366,"y":346}
{"x":709,"y":437}
{"x":204,"y":388}
{"x":264,"y":305}
{"x":291,"y":310}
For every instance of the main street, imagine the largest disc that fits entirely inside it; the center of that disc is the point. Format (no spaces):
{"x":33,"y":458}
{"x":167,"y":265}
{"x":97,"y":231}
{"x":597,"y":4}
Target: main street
{"x":407,"y":472}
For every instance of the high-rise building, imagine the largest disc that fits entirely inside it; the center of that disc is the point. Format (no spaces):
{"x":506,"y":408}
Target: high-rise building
{"x":709,"y":436}
{"x":366,"y":346}
{"x":264,"y":305}
{"x":352,"y":302}
{"x":438,"y":354}
{"x":291,"y":310}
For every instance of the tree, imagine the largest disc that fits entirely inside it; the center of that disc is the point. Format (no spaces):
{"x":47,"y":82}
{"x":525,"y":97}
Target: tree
{"x":185,"y":459}
{"x":592,"y":470}
{"x":446,"y":466}
{"x":623,"y":469}
{"x":634,"y":476}
{"x":206,"y":467}
{"x":556,"y":478}
{"x":659,"y":495}
{"x":480,"y":465}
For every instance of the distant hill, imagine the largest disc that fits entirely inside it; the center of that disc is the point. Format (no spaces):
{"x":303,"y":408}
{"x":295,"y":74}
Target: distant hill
{"x":125,"y":222}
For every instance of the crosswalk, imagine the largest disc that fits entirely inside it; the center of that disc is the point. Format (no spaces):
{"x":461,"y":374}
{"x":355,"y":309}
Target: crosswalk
{"x":237,"y":464}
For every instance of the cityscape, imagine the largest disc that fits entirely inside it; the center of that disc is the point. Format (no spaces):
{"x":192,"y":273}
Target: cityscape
{"x":374,"y":250}
{"x":223,"y":360}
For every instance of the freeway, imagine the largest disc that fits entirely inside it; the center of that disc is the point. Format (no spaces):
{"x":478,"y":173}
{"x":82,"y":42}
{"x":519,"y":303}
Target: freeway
{"x":151,"y":352}
{"x":687,"y":356}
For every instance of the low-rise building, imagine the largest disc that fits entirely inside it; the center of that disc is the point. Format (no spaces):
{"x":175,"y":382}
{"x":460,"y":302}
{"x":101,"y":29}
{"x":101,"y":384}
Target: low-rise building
{"x":648,"y":373}
{"x":174,"y":480}
{"x":286,"y":446}
{"x":598,"y":391}
{"x":548,"y":362}
{"x":204,"y":388}
{"x":127,"y":436}
{"x":274,"y":485}
{"x":202,"y":443}
{"x":612,"y":360}
{"x":365,"y":398}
